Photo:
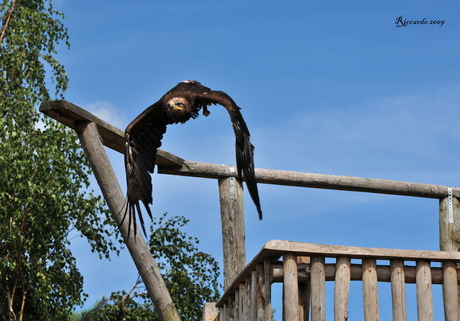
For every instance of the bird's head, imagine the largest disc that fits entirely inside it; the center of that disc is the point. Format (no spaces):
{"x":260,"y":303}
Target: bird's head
{"x":180,"y":109}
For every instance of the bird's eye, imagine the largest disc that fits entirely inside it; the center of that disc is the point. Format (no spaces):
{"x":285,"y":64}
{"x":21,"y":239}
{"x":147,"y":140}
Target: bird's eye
{"x":180,"y":105}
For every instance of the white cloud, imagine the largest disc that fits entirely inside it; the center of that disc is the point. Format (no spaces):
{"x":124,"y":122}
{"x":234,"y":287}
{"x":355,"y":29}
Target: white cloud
{"x":106,"y":111}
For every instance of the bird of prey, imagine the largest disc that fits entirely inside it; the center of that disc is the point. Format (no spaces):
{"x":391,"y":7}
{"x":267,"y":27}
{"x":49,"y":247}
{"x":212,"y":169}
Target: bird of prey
{"x":143,"y":137}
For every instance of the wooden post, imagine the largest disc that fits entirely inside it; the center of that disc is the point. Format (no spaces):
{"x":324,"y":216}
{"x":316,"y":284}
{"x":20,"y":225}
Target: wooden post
{"x":370,"y":290}
{"x":342,"y":288}
{"x":268,"y":279}
{"x":107,"y":180}
{"x":318,"y":288}
{"x":233,"y":233}
{"x":449,"y":224}
{"x":290,"y":288}
{"x":398,"y":290}
{"x":424,"y":292}
{"x":450,"y":290}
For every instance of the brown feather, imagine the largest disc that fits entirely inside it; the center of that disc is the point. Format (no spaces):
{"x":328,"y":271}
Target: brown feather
{"x":143,"y":137}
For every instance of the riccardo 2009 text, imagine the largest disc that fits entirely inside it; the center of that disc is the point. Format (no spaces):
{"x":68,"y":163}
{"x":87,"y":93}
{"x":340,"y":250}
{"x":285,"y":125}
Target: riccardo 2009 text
{"x":402,"y":22}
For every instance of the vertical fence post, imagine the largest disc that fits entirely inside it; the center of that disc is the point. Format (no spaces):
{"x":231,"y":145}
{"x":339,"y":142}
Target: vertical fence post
{"x":290,"y":288}
{"x":449,"y":223}
{"x":233,"y":233}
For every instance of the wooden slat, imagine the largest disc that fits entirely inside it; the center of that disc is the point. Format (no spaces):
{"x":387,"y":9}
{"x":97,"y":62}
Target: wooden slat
{"x":268,"y":279}
{"x":112,"y":137}
{"x":237,"y":306}
{"x":242,"y":301}
{"x":260,"y":292}
{"x":450,"y":291}
{"x":247,"y":300}
{"x":398,"y":290}
{"x":424,"y":292}
{"x":342,"y":288}
{"x":370,"y":291}
{"x":210,"y":311}
{"x":290,"y":289}
{"x":318,"y":289}
{"x":254,"y":295}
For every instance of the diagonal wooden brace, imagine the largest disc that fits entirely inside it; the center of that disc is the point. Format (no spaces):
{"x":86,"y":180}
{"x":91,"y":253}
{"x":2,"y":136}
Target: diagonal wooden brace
{"x":108,"y":182}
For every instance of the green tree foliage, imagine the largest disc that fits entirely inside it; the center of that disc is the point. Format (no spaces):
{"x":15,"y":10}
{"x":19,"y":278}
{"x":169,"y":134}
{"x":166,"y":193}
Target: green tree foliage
{"x":43,"y":174}
{"x":190,"y":275}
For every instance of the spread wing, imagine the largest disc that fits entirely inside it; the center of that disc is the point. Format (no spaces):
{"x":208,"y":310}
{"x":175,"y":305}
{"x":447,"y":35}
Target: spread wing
{"x":244,"y":148}
{"x":142,"y":138}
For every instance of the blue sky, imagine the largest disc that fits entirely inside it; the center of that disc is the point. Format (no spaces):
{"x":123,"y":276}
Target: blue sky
{"x":329,"y":87}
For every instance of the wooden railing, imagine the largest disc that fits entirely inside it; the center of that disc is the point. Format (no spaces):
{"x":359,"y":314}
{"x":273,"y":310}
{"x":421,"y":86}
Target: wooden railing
{"x":305,"y":268}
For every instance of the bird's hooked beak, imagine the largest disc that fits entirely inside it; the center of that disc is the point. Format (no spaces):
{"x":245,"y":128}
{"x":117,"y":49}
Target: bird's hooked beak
{"x":173,"y":106}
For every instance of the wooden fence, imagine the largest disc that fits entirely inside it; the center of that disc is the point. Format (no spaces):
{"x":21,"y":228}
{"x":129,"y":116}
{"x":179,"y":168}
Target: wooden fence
{"x":305,"y":268}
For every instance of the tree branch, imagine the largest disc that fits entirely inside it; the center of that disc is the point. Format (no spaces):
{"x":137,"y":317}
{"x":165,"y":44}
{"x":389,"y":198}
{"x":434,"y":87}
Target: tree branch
{"x":7,"y":21}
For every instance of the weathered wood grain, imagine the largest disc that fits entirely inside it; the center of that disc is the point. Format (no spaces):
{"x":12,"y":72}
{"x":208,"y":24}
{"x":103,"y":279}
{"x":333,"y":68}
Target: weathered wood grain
{"x":107,"y":180}
{"x":450,"y":290}
{"x":370,"y":290}
{"x":398,"y":290}
{"x":342,"y":288}
{"x":233,"y":231}
{"x":318,"y":289}
{"x":424,"y":291}
{"x":290,"y":289}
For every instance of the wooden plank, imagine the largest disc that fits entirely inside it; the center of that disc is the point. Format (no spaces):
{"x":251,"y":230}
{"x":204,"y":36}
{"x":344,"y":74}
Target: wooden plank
{"x":231,"y":308}
{"x":398,"y":290}
{"x":247,"y":300}
{"x":260,"y":293}
{"x":233,"y":231}
{"x":450,"y":291}
{"x":304,"y":249}
{"x":424,"y":292}
{"x":268,"y":279}
{"x":370,"y":290}
{"x":107,"y":180}
{"x":69,"y":114}
{"x":253,"y":295}
{"x":318,"y":289}
{"x":242,"y":301}
{"x":290,"y":289}
{"x":342,"y":288}
{"x":237,"y":306}
{"x":210,"y":311}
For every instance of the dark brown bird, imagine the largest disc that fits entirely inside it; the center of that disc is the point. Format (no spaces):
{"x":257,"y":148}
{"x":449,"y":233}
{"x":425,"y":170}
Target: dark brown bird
{"x":143,"y":137}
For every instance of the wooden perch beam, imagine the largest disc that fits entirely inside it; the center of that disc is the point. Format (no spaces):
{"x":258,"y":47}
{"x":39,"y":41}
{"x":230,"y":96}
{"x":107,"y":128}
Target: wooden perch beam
{"x":112,"y":137}
{"x":68,"y":114}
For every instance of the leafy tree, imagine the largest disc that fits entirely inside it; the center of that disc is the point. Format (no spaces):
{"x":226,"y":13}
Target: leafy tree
{"x":43,"y":174}
{"x":190,"y":275}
